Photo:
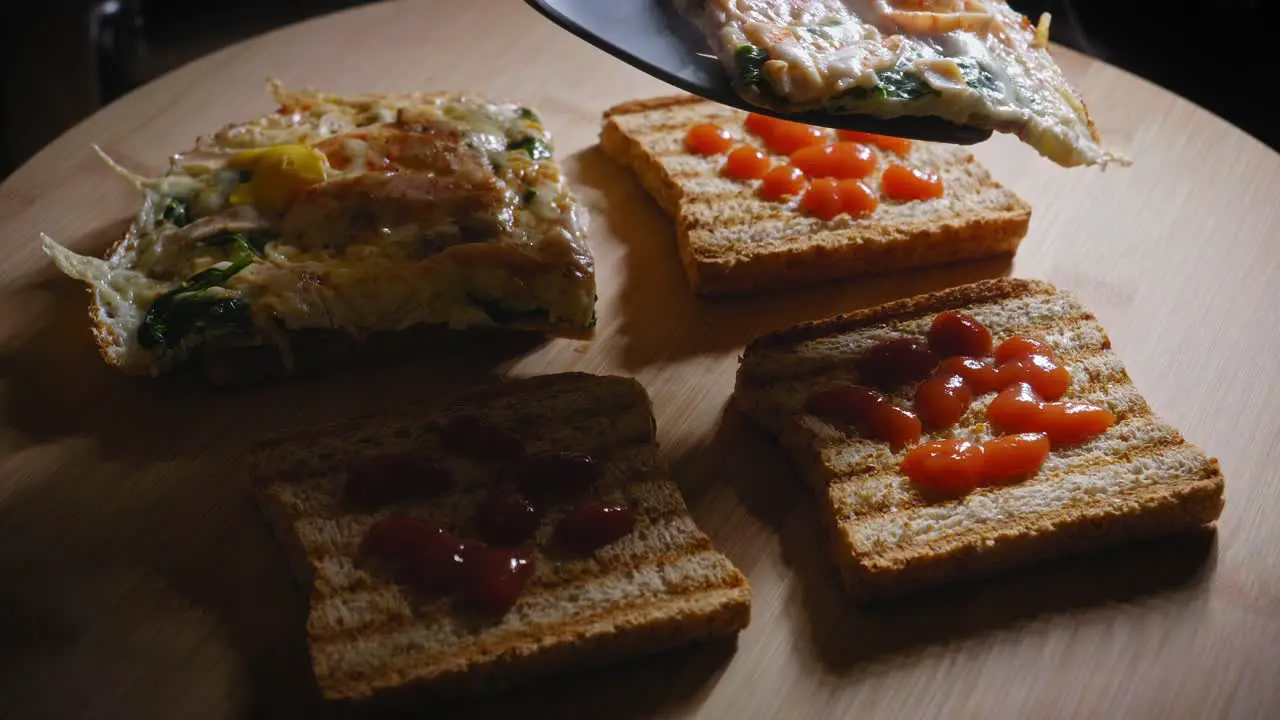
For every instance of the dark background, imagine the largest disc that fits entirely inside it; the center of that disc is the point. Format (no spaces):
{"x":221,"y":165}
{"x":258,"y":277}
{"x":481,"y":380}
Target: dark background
{"x":62,"y":59}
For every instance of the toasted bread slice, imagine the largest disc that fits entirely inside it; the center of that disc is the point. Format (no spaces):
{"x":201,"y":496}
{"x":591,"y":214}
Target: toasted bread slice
{"x":660,"y":586}
{"x":731,"y":241}
{"x":1139,"y":478}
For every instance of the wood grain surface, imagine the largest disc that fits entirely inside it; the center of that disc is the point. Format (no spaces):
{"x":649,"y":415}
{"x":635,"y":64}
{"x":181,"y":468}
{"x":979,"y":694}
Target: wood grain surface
{"x":138,"y":581}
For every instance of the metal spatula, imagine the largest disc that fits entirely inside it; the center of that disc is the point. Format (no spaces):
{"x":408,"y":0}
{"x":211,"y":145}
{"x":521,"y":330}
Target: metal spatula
{"x":651,"y":36}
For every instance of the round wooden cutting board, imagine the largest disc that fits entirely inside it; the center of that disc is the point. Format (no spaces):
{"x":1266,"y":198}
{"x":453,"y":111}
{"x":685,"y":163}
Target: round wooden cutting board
{"x":137,"y":580}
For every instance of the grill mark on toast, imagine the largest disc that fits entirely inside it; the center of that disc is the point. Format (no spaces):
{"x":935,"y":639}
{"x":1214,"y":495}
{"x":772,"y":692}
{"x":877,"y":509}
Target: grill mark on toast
{"x":779,"y":215}
{"x":389,"y":631}
{"x":650,"y":496}
{"x":743,"y":190}
{"x":426,"y":419}
{"x":1086,"y":464}
{"x":382,"y":589}
{"x":634,"y":455}
{"x":776,"y":226}
{"x":1166,"y":483}
{"x":493,"y":397}
{"x":815,"y":365}
{"x":288,"y":465}
{"x":1102,"y":386}
{"x":659,"y":130}
{"x":636,"y":107}
{"x":983,"y":292}
{"x":691,"y":539}
{"x":427,"y":666}
{"x":690,"y":221}
{"x":869,"y":469}
{"x":333,"y":511}
{"x":1138,"y":419}
{"x":1187,"y":490}
{"x":833,"y":365}
{"x":659,"y":156}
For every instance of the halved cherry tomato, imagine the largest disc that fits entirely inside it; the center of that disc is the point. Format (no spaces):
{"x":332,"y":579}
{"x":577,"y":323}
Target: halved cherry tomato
{"x":708,"y":139}
{"x":781,"y":181}
{"x":884,"y":142}
{"x":746,"y":163}
{"x":837,"y":160}
{"x":906,"y":183}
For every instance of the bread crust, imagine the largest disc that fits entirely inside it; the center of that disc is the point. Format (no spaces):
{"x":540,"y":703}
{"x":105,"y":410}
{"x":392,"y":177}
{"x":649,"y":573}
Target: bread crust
{"x":719,"y":259}
{"x":1140,"y":479}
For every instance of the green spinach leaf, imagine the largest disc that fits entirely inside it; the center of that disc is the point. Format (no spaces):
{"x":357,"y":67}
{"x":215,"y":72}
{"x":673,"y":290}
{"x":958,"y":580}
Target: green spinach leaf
{"x":194,"y":314}
{"x":535,"y":148}
{"x":906,"y":85}
{"x":750,"y":61}
{"x":254,"y":245}
{"x":898,"y":85}
{"x":189,"y":309}
{"x":978,"y":76}
{"x":893,"y":85}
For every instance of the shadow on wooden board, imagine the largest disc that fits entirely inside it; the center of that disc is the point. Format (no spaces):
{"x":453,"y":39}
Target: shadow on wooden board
{"x":663,"y":321}
{"x":847,"y":638}
{"x":141,"y":587}
{"x":154,"y":588}
{"x":670,"y":682}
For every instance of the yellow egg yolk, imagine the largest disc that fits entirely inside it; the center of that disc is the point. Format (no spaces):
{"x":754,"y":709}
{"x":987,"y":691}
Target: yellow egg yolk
{"x":277,"y":175}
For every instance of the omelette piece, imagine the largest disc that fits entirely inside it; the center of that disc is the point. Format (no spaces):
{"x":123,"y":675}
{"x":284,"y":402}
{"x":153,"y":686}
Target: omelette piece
{"x":977,"y":63}
{"x":353,"y":215}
